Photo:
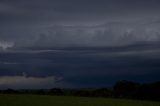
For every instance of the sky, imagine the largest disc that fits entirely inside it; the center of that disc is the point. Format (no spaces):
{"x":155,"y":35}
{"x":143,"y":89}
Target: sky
{"x":78,"y":43}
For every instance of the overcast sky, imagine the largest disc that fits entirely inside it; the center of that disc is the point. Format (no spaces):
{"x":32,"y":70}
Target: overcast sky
{"x":78,"y":22}
{"x":107,"y":34}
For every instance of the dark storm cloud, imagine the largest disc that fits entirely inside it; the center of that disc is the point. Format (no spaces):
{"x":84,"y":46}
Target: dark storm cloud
{"x":73,"y":10}
{"x":86,"y":42}
{"x":93,"y":67}
{"x":26,"y":22}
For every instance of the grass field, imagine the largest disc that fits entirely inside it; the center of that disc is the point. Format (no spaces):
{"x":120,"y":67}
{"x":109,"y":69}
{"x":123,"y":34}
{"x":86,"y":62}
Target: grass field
{"x":37,"y":100}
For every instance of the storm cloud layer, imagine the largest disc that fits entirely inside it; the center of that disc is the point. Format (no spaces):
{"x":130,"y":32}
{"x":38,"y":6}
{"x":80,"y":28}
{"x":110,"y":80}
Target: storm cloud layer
{"x":78,"y":23}
{"x":82,"y":43}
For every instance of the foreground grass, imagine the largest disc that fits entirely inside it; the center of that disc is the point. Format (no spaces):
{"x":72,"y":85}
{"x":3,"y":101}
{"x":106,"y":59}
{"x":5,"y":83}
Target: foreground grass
{"x":39,"y":100}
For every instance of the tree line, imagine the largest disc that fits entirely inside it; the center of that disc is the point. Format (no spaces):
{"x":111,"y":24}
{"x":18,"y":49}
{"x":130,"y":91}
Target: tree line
{"x":122,"y":89}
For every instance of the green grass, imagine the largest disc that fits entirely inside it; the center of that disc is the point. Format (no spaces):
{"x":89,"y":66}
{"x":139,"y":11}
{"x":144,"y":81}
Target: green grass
{"x":37,"y":100}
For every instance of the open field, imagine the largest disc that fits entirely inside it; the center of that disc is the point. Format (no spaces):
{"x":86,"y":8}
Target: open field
{"x":39,"y":100}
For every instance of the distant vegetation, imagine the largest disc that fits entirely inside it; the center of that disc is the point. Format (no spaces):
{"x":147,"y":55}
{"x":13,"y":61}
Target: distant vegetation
{"x":122,"y":89}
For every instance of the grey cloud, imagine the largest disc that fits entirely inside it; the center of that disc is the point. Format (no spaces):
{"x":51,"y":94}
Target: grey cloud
{"x":23,"y":21}
{"x":110,"y":34}
{"x":82,"y":10}
{"x":115,"y":33}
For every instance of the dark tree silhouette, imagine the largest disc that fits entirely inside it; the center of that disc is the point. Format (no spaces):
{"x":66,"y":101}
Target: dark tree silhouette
{"x":125,"y":89}
{"x":122,"y":89}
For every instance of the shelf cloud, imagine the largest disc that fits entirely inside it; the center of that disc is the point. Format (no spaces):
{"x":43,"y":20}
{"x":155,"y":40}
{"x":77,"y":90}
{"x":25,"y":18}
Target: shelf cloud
{"x":89,"y":43}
